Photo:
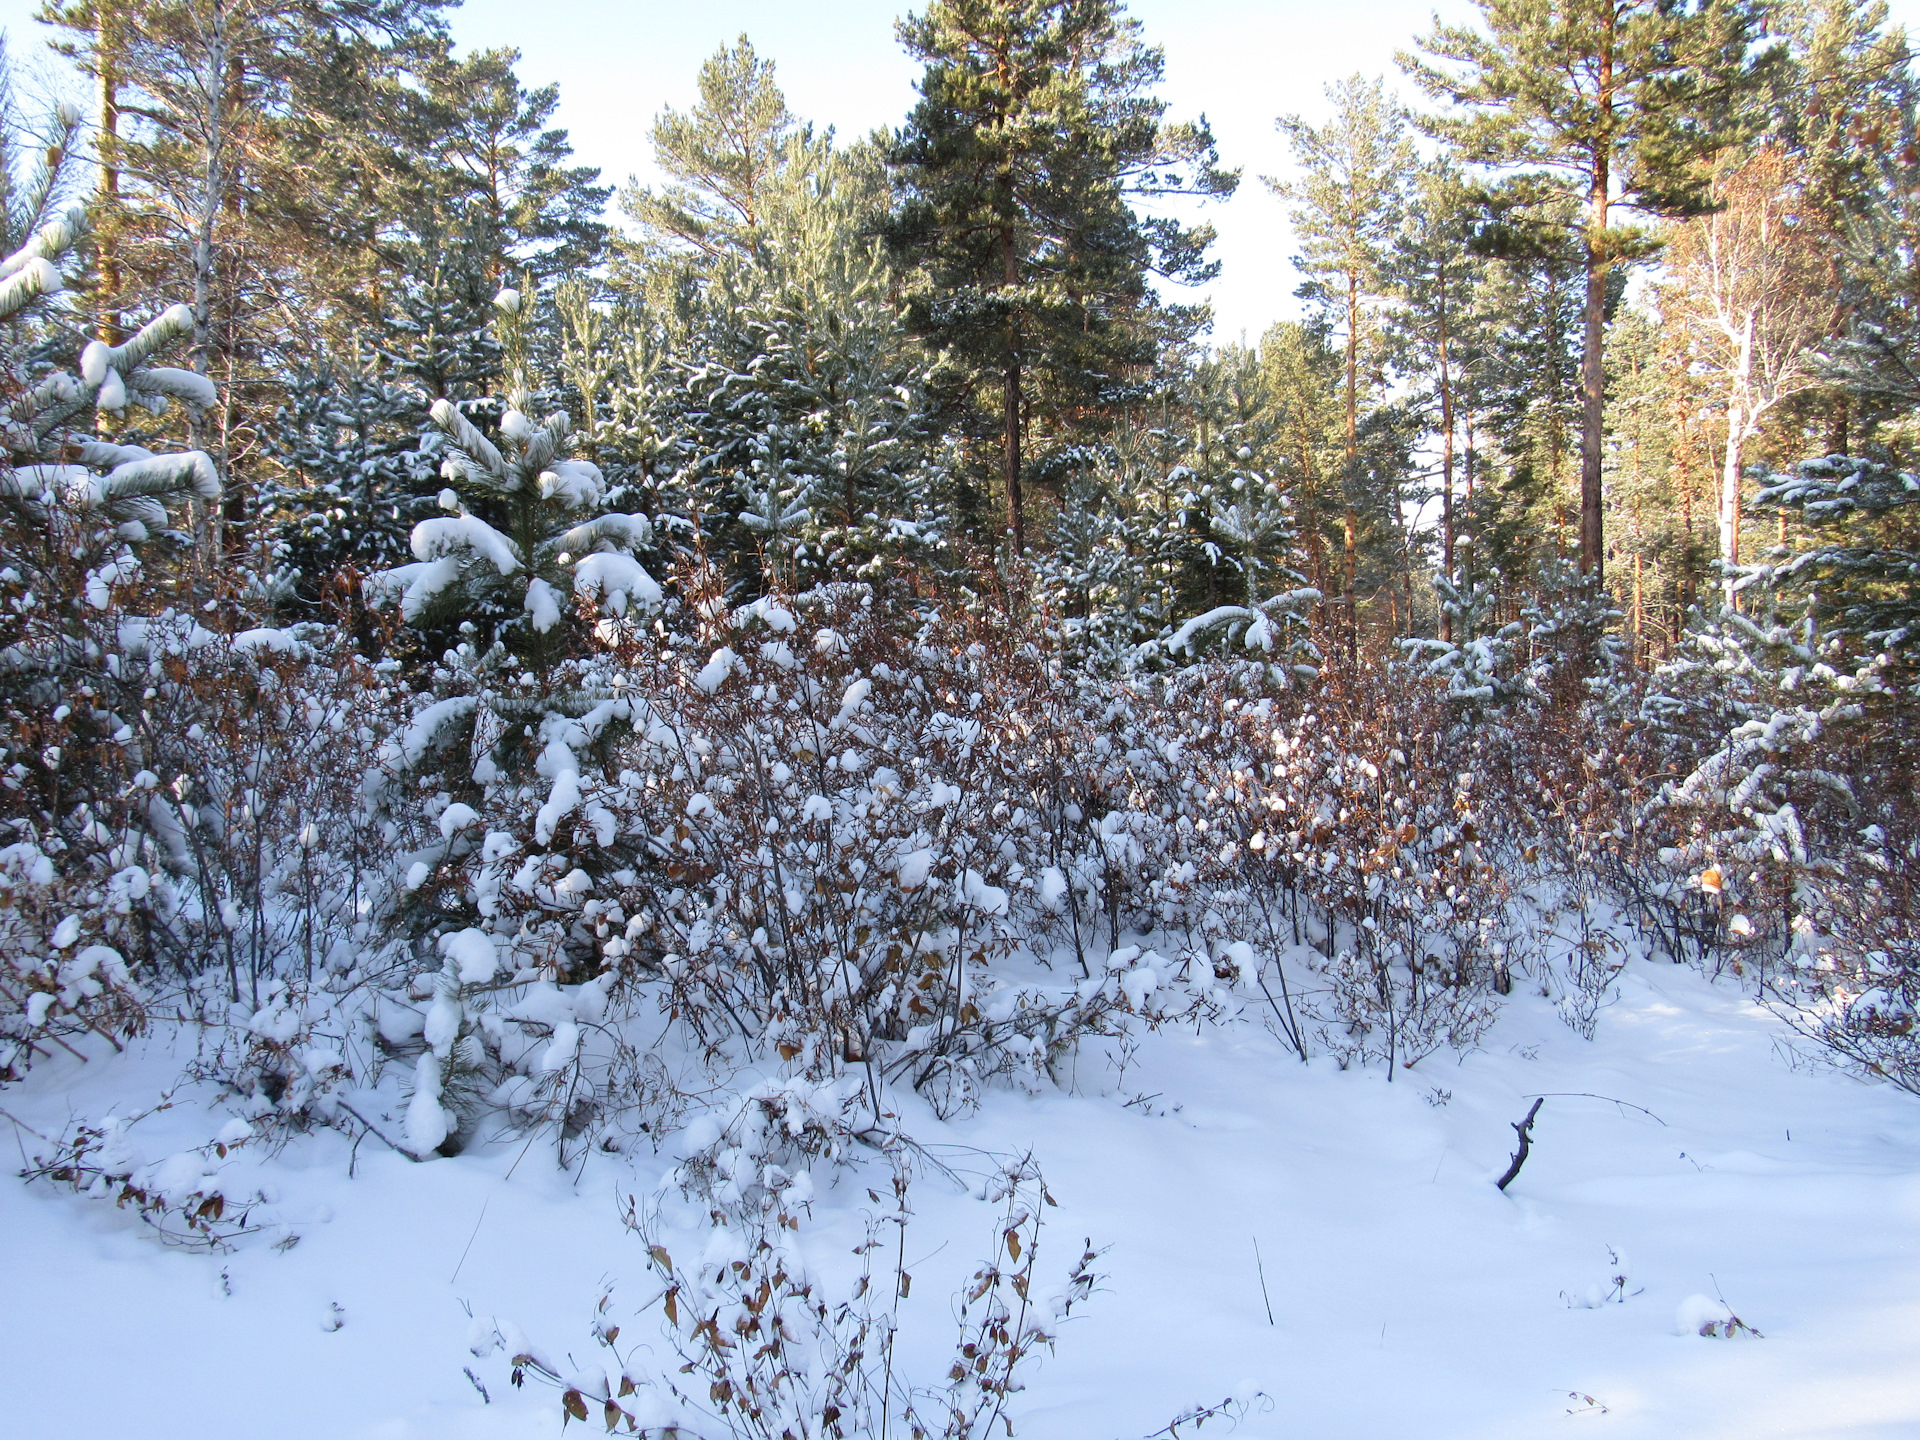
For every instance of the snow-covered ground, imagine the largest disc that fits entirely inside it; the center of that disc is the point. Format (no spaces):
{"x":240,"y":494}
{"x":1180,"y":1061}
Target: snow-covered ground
{"x":1409,"y":1297}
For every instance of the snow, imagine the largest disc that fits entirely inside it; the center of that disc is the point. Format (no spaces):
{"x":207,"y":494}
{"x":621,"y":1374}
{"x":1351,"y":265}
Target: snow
{"x":475,"y":956}
{"x":430,"y":726}
{"x":564,"y":796}
{"x":1053,"y":888}
{"x":989,"y":899}
{"x":714,"y":673}
{"x":281,"y":642}
{"x":1182,"y":639}
{"x":542,"y":605}
{"x":185,"y":385}
{"x":1408,"y":1295}
{"x":615,"y":529}
{"x":913,"y":869}
{"x":448,"y":535}
{"x":1700,"y":1315}
{"x":419,"y":584}
{"x":427,"y":1123}
{"x":856,"y":695}
{"x":36,"y":277}
{"x":96,"y":358}
{"x":456,"y":817}
{"x":577,"y":484}
{"x":159,"y":472}
{"x":619,"y":579}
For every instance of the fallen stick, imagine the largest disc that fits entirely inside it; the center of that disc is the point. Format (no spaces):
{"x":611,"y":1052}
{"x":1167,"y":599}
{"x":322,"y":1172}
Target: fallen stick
{"x":1524,"y":1129}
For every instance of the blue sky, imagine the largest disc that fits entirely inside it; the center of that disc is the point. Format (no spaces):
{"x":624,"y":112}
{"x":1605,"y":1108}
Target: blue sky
{"x":1240,"y":62}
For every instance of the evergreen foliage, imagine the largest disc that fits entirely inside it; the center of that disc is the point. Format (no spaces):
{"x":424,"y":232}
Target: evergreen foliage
{"x":1589,"y":107}
{"x":1028,"y":267}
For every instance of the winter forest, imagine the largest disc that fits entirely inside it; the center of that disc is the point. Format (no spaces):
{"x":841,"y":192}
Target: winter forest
{"x":787,"y":802}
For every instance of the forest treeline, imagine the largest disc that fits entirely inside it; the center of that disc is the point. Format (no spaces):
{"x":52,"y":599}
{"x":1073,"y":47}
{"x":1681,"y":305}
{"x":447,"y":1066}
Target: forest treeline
{"x":839,"y":605}
{"x":1613,"y":259}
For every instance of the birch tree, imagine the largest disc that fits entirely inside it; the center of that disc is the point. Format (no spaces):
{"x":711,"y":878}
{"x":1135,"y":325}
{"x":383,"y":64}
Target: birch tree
{"x":1748,"y":282}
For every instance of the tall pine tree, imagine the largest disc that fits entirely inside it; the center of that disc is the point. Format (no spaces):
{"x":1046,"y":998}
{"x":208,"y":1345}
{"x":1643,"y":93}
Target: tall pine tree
{"x":1611,"y":105}
{"x":1035,"y":131}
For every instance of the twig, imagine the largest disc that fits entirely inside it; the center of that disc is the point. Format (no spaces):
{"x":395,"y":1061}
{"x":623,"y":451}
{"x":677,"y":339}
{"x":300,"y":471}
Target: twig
{"x":377,"y":1134}
{"x":469,"y":1250}
{"x":1199,"y":1415}
{"x":1589,"y":1095}
{"x":1262,"y":1269}
{"x":1524,"y":1129}
{"x":28,"y":1128}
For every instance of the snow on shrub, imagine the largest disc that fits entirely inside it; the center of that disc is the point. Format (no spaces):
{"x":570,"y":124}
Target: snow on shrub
{"x":766,"y":1350}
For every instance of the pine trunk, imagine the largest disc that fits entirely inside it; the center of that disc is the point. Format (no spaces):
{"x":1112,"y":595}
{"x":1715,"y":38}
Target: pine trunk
{"x":1446,"y":463}
{"x":1353,"y":451}
{"x":107,"y":150}
{"x":1010,"y":462}
{"x":1593,"y":376}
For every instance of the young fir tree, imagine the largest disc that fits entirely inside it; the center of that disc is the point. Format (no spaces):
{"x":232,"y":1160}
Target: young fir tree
{"x":809,"y":406}
{"x":521,"y":548}
{"x":354,"y":474}
{"x":1857,"y":572}
{"x":89,"y":528}
{"x":1603,"y":105}
{"x":1248,"y":542}
{"x":1027,"y":265}
{"x":525,"y":581}
{"x":789,"y":395}
{"x":81,"y":510}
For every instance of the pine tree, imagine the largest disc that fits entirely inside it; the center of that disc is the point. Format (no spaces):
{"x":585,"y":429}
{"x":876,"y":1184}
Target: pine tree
{"x":1436,"y":275}
{"x":737,"y":161}
{"x":1847,"y":91}
{"x":500,"y":171}
{"x":205,"y":110}
{"x":1035,"y":129}
{"x":1302,"y":377}
{"x":1348,"y":206}
{"x":1603,"y":104}
{"x":1524,"y":506}
{"x":785,"y":394}
{"x":34,"y":196}
{"x":515,"y":557}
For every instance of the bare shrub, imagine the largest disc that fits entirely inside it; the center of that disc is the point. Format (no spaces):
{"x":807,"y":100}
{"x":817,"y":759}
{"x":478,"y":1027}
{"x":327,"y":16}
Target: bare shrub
{"x":764,"y":1353}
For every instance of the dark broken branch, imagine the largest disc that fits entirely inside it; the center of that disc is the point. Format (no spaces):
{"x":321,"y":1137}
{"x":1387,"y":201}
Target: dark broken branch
{"x":1524,"y":1129}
